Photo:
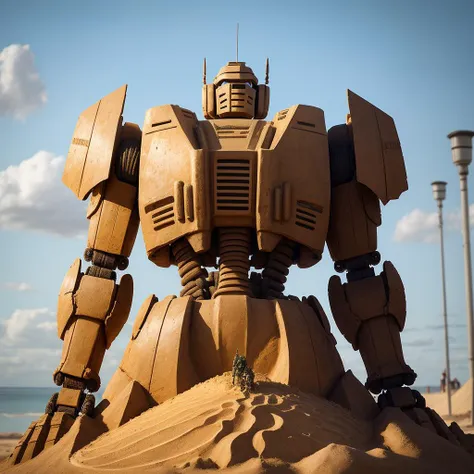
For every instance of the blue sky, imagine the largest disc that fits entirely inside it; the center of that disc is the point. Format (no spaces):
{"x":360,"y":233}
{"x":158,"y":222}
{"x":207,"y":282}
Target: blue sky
{"x":411,"y":59}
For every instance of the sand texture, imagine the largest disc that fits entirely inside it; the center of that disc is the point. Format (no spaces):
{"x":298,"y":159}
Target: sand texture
{"x":276,"y":429}
{"x":461,"y":401}
{"x":7,"y":442}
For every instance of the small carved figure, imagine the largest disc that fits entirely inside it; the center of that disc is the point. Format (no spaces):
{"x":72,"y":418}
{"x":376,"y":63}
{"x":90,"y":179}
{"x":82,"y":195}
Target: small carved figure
{"x":238,"y":366}
{"x":247,"y":383}
{"x":243,"y":374}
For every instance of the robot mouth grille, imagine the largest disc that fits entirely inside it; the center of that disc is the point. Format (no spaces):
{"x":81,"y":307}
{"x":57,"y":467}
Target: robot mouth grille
{"x":233,"y":185}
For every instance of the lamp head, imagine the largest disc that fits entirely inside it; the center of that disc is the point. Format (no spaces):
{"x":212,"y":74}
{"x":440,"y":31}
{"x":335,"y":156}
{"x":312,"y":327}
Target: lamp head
{"x":461,"y":147}
{"x":439,"y":190}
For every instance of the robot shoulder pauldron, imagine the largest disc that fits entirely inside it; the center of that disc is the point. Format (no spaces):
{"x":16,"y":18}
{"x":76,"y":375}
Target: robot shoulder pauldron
{"x":95,"y":138}
{"x":379,"y":162}
{"x":178,"y":124}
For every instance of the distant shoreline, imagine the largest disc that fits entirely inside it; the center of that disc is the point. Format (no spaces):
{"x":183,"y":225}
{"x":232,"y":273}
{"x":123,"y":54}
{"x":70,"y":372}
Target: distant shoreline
{"x":10,"y":435}
{"x":8,"y":441}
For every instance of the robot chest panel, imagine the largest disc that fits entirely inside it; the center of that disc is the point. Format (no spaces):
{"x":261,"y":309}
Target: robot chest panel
{"x":196,"y":176}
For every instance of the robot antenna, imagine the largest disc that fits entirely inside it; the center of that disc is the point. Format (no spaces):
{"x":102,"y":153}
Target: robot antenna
{"x":204,"y":72}
{"x":267,"y":71}
{"x":237,"y":43}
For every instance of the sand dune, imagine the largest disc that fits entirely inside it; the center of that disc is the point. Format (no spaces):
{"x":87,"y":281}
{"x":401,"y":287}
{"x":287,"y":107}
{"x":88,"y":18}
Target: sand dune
{"x":460,"y":400}
{"x":276,"y":429}
{"x":460,"y":406}
{"x":216,"y":421}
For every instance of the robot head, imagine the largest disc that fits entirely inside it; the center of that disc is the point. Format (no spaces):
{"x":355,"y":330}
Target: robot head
{"x":235,"y":93}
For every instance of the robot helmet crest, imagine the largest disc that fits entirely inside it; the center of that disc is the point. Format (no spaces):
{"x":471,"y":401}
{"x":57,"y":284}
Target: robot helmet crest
{"x":235,"y":93}
{"x":236,"y":72}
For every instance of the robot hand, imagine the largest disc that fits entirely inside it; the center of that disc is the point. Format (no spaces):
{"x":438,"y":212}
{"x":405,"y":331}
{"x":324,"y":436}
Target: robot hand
{"x":412,"y":403}
{"x":60,"y":412}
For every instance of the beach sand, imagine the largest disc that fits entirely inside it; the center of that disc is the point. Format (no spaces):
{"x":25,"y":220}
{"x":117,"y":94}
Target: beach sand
{"x":276,"y":429}
{"x":460,"y":406}
{"x":7,"y":442}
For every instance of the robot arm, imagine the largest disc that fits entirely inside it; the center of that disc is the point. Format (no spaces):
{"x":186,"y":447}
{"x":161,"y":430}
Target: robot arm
{"x":92,"y":306}
{"x":367,"y":167}
{"x":369,"y":310}
{"x":102,"y":162}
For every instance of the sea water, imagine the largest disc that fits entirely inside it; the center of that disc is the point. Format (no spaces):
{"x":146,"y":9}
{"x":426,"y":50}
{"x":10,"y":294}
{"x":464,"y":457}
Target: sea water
{"x":19,"y":406}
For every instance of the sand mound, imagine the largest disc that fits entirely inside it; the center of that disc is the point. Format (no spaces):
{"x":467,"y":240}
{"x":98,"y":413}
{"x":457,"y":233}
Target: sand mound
{"x":460,"y":400}
{"x":277,"y":429}
{"x":214,"y":420}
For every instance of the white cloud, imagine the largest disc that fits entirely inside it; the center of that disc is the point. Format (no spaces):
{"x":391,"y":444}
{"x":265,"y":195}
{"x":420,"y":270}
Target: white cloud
{"x":32,"y":197}
{"x":11,"y":285}
{"x":28,"y":344}
{"x":21,"y":89}
{"x":29,"y":366}
{"x":30,"y":349}
{"x":47,"y":325}
{"x":421,"y":226}
{"x":21,"y":319}
{"x":10,"y":360}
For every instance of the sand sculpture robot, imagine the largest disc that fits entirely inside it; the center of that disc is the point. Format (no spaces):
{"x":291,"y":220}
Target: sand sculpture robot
{"x":232,"y":192}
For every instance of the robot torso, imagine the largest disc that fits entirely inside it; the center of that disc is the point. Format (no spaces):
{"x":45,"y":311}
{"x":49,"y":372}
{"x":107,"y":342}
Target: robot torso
{"x":198,"y":176}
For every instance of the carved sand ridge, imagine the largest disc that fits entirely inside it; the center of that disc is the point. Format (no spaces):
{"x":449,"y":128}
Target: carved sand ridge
{"x":223,"y":425}
{"x":276,"y":429}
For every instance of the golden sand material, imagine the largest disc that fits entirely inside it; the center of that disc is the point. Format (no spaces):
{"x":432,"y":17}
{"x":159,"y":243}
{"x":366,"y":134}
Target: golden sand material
{"x":275,"y":429}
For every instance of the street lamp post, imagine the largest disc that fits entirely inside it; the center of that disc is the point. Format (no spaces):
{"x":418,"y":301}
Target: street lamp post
{"x":439,"y":193}
{"x":461,"y":147}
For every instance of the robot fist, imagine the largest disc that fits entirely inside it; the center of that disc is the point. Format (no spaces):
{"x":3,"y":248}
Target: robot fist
{"x":412,"y":403}
{"x":60,"y":413}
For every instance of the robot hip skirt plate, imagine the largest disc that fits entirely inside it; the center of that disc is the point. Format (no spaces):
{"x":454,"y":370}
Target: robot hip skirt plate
{"x":179,"y":342}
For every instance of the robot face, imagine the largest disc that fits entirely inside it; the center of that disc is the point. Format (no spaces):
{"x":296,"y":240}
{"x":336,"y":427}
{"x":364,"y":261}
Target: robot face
{"x":235,"y":93}
{"x":235,"y":99}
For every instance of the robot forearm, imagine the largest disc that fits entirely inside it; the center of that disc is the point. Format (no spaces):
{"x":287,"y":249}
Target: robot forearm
{"x":370,"y":312}
{"x":92,"y":310}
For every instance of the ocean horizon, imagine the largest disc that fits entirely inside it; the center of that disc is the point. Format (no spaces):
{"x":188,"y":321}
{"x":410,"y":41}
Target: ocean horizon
{"x":19,"y":406}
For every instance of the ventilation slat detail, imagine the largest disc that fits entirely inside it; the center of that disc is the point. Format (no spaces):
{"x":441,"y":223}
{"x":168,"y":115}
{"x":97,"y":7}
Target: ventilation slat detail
{"x":306,"y":214}
{"x":164,"y":224}
{"x":161,"y":213}
{"x":232,"y":131}
{"x":232,"y":184}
